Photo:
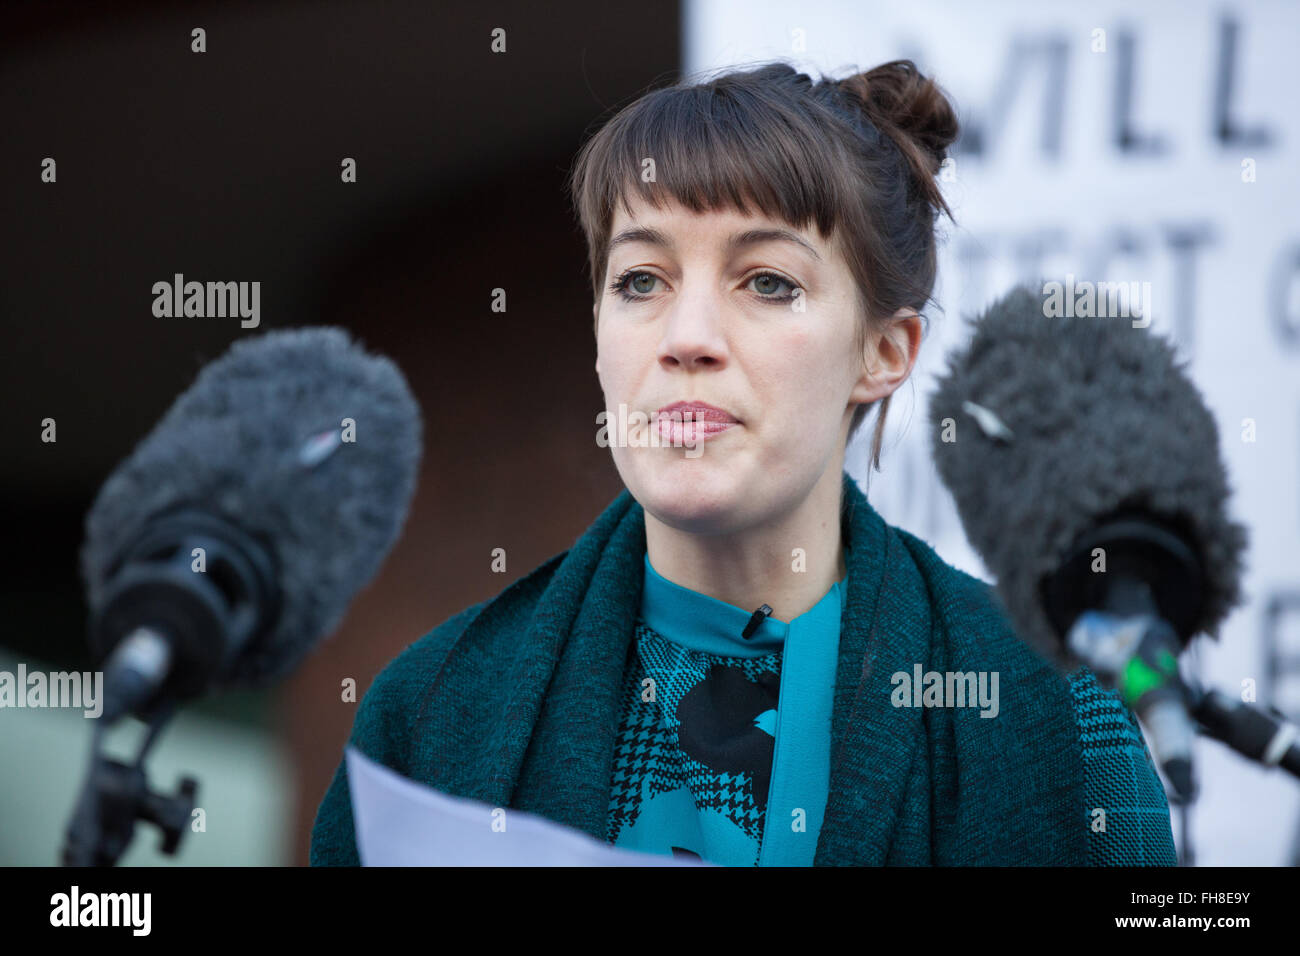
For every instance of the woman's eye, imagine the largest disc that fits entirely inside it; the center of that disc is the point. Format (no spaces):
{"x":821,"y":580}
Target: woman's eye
{"x":633,"y":285}
{"x":642,"y":283}
{"x":767,"y":283}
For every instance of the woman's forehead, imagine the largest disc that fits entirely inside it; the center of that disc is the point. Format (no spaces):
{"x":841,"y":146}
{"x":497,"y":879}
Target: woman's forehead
{"x":673,"y":213}
{"x":666,"y":224}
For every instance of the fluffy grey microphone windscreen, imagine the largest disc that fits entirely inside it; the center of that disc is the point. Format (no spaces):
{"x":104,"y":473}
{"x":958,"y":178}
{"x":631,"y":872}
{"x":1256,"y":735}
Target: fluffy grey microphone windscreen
{"x":1099,"y":416}
{"x":232,"y":445}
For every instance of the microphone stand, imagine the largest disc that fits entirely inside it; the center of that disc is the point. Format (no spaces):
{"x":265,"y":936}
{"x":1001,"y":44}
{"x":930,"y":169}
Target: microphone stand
{"x":163,"y":629}
{"x":1262,"y":734}
{"x":115,"y":796}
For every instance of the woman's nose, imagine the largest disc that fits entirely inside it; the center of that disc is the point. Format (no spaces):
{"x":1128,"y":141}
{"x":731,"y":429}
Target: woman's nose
{"x":693,"y":334}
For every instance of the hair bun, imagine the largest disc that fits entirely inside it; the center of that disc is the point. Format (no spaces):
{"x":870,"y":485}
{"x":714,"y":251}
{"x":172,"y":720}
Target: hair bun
{"x":913,"y":111}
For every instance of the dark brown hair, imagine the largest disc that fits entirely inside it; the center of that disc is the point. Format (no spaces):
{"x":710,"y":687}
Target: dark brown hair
{"x":857,"y":157}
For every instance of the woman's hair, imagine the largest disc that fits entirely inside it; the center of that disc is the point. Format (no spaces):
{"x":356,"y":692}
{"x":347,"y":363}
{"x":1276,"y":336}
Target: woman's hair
{"x":857,"y":155}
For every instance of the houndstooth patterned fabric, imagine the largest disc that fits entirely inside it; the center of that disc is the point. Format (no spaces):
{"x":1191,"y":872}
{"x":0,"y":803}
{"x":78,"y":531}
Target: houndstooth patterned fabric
{"x":1120,"y":779}
{"x":649,"y":745}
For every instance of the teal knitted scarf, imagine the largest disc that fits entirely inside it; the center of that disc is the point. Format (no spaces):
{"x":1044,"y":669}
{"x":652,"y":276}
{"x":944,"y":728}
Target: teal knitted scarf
{"x":515,"y":702}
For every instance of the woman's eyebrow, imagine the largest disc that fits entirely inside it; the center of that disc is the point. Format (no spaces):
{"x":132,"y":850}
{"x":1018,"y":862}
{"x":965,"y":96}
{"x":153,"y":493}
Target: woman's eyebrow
{"x":749,"y":237}
{"x":754,"y":236}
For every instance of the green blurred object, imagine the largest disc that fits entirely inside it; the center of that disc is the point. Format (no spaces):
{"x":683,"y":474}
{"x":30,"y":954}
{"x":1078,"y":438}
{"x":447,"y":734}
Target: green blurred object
{"x":244,"y":773}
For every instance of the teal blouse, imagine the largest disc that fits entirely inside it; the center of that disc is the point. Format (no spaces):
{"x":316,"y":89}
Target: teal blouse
{"x":724,"y":745}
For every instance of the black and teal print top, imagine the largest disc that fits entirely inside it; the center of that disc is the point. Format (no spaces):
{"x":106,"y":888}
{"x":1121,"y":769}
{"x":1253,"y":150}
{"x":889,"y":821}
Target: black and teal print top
{"x":724,"y":747}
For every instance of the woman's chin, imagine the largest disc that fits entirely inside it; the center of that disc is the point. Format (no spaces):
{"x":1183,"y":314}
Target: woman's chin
{"x":689,"y":494}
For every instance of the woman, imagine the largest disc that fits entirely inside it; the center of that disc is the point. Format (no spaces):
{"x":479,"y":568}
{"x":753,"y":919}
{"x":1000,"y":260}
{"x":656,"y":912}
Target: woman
{"x":722,"y":664}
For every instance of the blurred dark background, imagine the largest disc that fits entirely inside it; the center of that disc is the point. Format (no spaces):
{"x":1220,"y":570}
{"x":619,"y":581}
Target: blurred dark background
{"x":225,"y":166}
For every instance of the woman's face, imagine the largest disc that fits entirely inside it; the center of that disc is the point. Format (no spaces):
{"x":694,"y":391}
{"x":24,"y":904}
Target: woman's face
{"x":761,"y":327}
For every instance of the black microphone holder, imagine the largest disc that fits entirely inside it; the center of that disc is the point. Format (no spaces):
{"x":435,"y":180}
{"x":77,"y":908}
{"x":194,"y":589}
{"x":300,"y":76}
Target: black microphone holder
{"x":115,"y":796}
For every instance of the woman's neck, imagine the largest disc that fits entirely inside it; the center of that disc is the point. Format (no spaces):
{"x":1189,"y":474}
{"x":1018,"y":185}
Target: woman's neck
{"x":789,"y":563}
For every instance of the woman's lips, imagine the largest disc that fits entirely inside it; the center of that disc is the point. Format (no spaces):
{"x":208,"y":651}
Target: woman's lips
{"x":677,"y":432}
{"x":688,"y":423}
{"x":697,"y":412}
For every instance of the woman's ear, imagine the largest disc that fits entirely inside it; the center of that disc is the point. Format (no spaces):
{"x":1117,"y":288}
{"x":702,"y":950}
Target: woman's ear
{"x":888,"y":356}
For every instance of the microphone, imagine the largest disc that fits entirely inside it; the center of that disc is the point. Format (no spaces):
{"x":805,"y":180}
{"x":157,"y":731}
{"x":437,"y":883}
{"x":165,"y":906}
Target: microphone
{"x":1085,"y":468}
{"x":763,"y":612}
{"x":238,"y":530}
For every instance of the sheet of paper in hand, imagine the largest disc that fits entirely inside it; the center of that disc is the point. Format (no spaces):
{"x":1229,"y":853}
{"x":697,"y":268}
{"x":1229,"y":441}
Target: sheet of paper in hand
{"x":399,"y":822}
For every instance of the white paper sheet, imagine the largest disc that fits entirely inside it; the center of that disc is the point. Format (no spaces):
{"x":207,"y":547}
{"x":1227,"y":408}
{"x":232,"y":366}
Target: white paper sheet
{"x":399,"y":822}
